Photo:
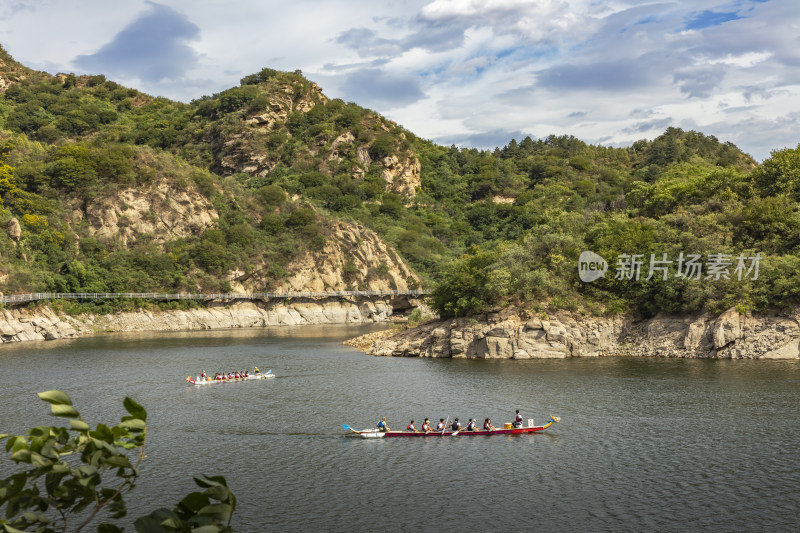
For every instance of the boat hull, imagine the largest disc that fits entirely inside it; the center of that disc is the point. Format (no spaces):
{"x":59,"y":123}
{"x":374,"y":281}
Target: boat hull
{"x":368,"y":434}
{"x":215,"y":381}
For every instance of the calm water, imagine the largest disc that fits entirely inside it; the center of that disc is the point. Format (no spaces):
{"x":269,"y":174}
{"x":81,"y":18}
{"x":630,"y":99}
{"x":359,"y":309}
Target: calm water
{"x":644,"y":445}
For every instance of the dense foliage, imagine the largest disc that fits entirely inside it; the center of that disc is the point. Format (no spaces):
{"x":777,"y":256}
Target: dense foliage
{"x":74,"y":475}
{"x":276,"y":159}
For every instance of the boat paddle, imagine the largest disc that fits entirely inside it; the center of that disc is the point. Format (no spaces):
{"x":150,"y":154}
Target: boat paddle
{"x":445,"y":428}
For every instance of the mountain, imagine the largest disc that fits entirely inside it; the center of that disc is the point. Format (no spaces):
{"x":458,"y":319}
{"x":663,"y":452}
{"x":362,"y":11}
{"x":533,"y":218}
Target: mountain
{"x":273,"y":185}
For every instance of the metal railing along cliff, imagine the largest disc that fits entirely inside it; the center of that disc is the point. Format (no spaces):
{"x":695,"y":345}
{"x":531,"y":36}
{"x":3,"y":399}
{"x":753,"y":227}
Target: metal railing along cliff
{"x":37,"y":296}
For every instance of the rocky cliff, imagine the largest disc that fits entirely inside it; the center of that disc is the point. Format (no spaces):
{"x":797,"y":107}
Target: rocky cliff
{"x":353,"y":256}
{"x":43,"y":324}
{"x":509,"y":335}
{"x":161,"y":211}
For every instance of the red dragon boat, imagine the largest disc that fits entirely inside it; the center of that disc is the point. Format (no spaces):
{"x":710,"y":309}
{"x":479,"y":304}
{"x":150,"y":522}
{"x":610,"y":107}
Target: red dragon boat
{"x":530,"y":428}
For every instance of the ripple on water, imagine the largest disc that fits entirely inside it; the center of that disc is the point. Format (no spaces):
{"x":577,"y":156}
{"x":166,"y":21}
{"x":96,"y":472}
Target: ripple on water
{"x":644,"y":445}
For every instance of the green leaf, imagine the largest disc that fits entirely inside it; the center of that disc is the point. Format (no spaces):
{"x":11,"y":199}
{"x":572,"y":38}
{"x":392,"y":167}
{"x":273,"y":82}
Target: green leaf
{"x":103,"y":432}
{"x":152,"y":522}
{"x":173,"y":523}
{"x":56,"y":397}
{"x":118,"y":460}
{"x":64,"y":410}
{"x":134,"y":424}
{"x":206,"y":529}
{"x":33,"y":517}
{"x":78,"y":425}
{"x":40,"y":462}
{"x":136,"y":410}
{"x":109,"y":528}
{"x":194,"y":502}
{"x":60,"y":468}
{"x":210,"y":481}
{"x":21,"y":456}
{"x":16,"y":443}
{"x":9,"y":529}
{"x":219,"y":511}
{"x":219,"y":493}
{"x":87,"y":470}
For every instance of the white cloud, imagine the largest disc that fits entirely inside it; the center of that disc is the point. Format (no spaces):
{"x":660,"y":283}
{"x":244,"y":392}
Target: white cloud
{"x":614,"y":71}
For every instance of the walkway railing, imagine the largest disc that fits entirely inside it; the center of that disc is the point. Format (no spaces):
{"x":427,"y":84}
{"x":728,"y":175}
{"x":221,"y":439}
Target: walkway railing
{"x":17,"y":298}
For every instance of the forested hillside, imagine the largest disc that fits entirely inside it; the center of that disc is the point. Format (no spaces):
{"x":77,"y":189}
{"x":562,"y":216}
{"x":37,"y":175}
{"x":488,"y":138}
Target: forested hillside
{"x":105,"y":188}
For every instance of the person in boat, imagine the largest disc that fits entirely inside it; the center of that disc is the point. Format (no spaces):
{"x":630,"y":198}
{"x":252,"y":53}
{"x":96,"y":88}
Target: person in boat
{"x":518,"y":420}
{"x":487,"y":425}
{"x":456,"y":425}
{"x":471,"y":426}
{"x":412,"y":427}
{"x":256,"y":370}
{"x":426,"y":426}
{"x":440,"y":425}
{"x":247,"y":373}
{"x":203,"y":375}
{"x":382,"y":425}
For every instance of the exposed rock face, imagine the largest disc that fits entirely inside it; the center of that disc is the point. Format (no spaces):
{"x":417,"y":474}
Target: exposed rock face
{"x":162,"y":211}
{"x":14,"y":230}
{"x":246,"y":151}
{"x":507,"y":336}
{"x":354,"y":257}
{"x":284,"y":102}
{"x":23,"y":325}
{"x":402,"y":175}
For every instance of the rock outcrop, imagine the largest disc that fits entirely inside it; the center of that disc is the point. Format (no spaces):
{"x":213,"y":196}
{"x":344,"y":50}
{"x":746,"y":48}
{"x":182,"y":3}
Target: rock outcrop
{"x":14,"y":230}
{"x":353,"y":258}
{"x":402,"y":175}
{"x":162,"y":211}
{"x":509,"y":336}
{"x":43,"y":324}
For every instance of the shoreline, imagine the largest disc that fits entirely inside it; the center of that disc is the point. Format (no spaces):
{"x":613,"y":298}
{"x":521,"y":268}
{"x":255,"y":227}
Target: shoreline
{"x":42,"y":323}
{"x":515,"y":334}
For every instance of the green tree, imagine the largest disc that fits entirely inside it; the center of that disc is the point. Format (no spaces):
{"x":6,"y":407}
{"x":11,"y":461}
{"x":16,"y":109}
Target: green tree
{"x":74,"y":475}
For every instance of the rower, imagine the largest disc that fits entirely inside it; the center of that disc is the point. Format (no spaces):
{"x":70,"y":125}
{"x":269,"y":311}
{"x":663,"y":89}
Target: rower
{"x":382,"y":425}
{"x":518,"y":421}
{"x":440,"y":425}
{"x":456,"y":425}
{"x":487,"y":425}
{"x":426,"y":426}
{"x":471,"y":425}
{"x":256,"y":370}
{"x":411,"y":427}
{"x":203,"y":375}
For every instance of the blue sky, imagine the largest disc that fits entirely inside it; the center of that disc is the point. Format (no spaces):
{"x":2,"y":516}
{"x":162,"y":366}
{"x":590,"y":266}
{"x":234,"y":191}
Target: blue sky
{"x":465,"y":72}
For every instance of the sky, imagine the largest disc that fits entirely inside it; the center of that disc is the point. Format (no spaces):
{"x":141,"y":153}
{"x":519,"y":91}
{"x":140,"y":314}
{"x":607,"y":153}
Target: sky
{"x":464,"y":72}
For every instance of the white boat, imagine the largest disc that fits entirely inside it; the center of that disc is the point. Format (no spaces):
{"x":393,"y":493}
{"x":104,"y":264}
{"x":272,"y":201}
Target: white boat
{"x":210,"y":381}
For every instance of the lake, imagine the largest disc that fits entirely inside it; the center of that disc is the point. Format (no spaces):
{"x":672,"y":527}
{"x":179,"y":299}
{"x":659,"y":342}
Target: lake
{"x":643,"y":444}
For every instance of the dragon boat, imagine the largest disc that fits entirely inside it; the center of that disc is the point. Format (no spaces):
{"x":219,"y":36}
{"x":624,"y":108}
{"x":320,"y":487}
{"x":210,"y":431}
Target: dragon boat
{"x":210,"y":381}
{"x":507,"y":429}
